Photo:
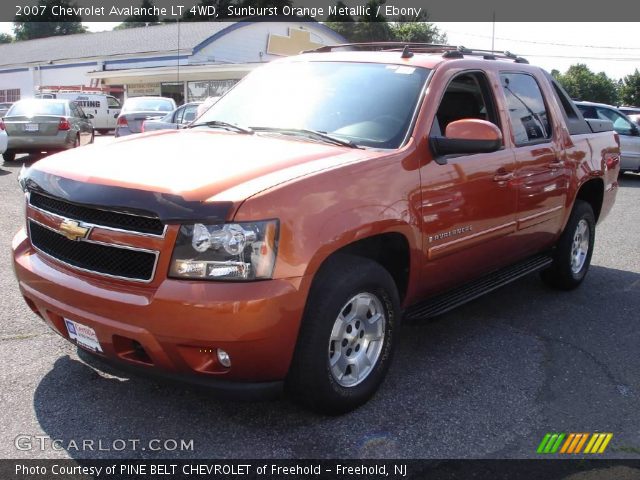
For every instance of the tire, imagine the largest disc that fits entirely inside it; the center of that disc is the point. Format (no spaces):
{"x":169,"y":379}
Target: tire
{"x":103,"y":131}
{"x":76,"y":142}
{"x":344,"y":283}
{"x":93,"y":137}
{"x":572,"y":257}
{"x":9,"y":156}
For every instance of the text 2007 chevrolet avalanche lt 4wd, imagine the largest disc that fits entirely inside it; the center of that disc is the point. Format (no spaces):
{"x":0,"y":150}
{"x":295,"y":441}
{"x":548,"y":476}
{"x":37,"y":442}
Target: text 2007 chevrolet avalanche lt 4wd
{"x":279,"y":241}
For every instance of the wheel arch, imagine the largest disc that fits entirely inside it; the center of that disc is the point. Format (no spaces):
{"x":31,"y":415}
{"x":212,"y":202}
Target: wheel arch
{"x":592,"y":192}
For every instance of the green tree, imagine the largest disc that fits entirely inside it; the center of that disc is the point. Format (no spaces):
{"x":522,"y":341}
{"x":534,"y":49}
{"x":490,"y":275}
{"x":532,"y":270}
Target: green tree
{"x":630,"y":89}
{"x":140,"y":20}
{"x":47,"y":25}
{"x":424,"y":32}
{"x":5,"y":38}
{"x":372,"y":28}
{"x":582,"y":84}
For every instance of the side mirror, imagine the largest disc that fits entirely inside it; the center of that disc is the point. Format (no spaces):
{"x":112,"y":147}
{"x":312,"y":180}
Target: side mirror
{"x":635,"y":131}
{"x":466,"y":136}
{"x":89,"y":116}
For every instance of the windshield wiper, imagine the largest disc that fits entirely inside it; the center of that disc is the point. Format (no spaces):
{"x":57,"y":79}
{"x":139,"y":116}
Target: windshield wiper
{"x":315,"y":134}
{"x":221,"y":124}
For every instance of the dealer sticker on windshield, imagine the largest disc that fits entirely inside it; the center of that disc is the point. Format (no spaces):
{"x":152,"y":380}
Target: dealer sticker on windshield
{"x":85,"y":336}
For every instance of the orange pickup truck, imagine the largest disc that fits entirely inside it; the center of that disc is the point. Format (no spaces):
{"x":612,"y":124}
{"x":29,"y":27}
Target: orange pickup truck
{"x":279,"y":241}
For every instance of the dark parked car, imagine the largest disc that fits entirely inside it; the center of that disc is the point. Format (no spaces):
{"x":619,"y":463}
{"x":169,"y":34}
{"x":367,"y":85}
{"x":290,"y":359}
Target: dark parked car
{"x":138,"y":109}
{"x":182,"y":115}
{"x":39,"y":125}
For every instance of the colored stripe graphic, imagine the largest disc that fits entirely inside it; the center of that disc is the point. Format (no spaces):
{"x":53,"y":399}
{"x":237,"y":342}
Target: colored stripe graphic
{"x":573,"y":443}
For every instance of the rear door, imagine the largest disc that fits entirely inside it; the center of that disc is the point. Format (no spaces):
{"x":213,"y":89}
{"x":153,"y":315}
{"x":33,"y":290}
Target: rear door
{"x":542,"y":176}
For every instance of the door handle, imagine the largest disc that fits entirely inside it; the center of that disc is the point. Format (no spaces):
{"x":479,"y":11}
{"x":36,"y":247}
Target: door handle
{"x":503,"y":175}
{"x":556,"y":164}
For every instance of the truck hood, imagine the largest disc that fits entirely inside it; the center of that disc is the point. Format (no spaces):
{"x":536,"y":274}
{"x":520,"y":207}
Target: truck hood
{"x":198,"y":165}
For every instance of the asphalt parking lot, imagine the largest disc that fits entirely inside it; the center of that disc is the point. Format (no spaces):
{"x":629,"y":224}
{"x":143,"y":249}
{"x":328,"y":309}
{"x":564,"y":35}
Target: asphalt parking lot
{"x":487,"y":380}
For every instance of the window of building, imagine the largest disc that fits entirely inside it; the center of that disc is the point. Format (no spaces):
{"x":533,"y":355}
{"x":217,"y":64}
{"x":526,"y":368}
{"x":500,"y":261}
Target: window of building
{"x":10,"y":96}
{"x":527,"y":110}
{"x":199,"y":91}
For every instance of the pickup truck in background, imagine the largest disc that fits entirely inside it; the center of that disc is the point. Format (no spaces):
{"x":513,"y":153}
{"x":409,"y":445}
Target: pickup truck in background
{"x":281,"y":238}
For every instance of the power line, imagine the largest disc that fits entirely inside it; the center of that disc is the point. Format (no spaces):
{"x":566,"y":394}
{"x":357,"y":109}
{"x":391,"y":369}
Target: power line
{"x":546,"y":43}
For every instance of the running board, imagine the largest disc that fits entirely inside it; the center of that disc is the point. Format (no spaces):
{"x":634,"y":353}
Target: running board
{"x":444,"y":302}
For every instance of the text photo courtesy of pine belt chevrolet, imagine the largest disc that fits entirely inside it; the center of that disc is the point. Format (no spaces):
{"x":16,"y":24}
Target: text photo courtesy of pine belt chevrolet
{"x":38,"y":125}
{"x":279,"y":241}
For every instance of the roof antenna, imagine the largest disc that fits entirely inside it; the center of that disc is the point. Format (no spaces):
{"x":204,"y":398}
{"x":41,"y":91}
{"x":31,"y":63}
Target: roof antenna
{"x":406,"y":53}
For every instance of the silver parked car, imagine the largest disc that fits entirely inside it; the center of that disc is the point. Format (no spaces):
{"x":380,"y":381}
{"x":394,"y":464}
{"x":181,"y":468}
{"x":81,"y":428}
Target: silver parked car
{"x":627,"y":130}
{"x":138,"y":109}
{"x":181,"y":116}
{"x":38,"y":125}
{"x":3,"y":137}
{"x":4,"y":108}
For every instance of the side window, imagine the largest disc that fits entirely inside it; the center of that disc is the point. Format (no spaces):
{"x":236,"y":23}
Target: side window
{"x":527,"y":110}
{"x":588,"y":112}
{"x":178,"y":116}
{"x":620,"y":124}
{"x":75,"y":110}
{"x":190,"y":113}
{"x":467,"y":96}
{"x":113,"y":102}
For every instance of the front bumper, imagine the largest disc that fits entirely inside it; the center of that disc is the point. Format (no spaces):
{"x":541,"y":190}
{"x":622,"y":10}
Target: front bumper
{"x":175,"y":328}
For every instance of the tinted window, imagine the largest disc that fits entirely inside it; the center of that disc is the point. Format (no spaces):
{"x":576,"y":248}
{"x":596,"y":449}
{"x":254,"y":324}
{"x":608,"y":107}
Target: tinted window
{"x":466,"y":96}
{"x":528,"y":113}
{"x":35,"y":107}
{"x":368,"y":103}
{"x":113,"y":103}
{"x":620,"y":124}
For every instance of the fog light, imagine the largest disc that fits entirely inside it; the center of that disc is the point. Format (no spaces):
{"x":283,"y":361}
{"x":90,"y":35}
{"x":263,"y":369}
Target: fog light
{"x":224,"y":358}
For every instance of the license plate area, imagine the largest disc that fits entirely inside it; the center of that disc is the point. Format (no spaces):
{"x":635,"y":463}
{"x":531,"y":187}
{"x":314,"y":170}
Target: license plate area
{"x":31,"y":127}
{"x":83,"y":335}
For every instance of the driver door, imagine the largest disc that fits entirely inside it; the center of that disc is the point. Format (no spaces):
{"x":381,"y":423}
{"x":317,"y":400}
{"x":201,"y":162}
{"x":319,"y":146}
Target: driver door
{"x":469,"y":200}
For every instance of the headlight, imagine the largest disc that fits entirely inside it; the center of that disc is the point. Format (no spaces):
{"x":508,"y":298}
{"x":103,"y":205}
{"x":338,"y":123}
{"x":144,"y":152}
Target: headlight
{"x":228,"y":251}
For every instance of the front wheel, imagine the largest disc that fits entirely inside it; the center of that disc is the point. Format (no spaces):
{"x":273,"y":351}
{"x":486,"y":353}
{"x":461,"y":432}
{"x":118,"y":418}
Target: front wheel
{"x":574,"y":249}
{"x":347,"y":335}
{"x":9,"y":156}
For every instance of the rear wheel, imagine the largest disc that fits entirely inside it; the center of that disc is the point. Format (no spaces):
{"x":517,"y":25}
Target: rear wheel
{"x":9,"y":156}
{"x":76,"y":142}
{"x":103,"y":131}
{"x":574,"y":249}
{"x":347,"y":336}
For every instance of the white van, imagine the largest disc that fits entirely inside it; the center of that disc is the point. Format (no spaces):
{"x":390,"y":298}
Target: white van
{"x":104,"y":108}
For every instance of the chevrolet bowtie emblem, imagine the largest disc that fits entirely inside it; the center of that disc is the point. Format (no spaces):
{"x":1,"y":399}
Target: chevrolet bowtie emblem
{"x":73,"y":230}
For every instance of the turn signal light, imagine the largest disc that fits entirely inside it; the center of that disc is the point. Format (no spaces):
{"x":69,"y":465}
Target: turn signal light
{"x":64,"y":124}
{"x":1,"y":125}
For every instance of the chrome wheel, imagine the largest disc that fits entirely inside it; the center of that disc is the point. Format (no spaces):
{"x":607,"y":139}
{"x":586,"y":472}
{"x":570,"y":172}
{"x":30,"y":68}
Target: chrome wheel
{"x":356,"y":339}
{"x":580,"y":246}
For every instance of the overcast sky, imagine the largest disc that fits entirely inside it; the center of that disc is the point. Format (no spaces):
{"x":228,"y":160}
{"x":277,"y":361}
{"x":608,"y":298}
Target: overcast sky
{"x":549,"y":45}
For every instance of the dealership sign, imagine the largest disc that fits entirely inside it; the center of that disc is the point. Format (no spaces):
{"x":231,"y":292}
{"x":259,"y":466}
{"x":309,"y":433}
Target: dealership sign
{"x":143,"y":89}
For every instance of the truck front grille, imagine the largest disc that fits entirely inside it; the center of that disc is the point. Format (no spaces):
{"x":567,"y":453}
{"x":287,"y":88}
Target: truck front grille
{"x":110,"y":260}
{"x":105,"y":218}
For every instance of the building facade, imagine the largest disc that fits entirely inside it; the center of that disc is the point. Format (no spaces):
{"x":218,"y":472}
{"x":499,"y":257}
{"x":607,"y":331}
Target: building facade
{"x":187,"y":61}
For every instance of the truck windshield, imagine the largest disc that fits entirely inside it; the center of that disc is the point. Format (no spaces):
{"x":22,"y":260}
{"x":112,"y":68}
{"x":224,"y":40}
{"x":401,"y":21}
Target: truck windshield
{"x":368,"y":104}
